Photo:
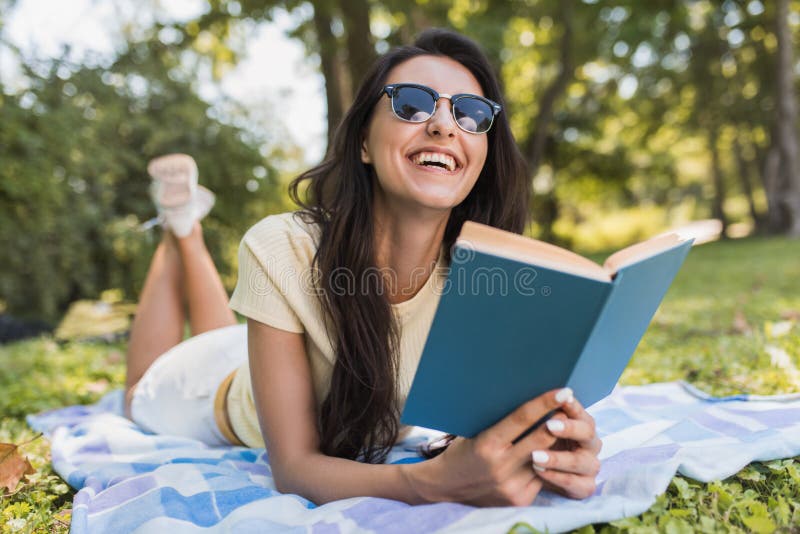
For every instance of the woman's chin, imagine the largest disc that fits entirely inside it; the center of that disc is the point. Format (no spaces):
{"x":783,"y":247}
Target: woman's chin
{"x":440,"y":196}
{"x":427,"y":196}
{"x":437,"y":200}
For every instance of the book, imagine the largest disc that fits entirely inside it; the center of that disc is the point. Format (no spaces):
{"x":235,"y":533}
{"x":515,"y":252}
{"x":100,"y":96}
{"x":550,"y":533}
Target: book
{"x":518,"y":317}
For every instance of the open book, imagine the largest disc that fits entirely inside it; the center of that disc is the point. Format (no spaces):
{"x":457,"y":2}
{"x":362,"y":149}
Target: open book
{"x":518,"y":317}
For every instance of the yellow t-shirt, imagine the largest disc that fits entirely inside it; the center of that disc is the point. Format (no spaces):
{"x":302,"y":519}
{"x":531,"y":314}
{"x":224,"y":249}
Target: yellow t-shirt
{"x":276,"y":287}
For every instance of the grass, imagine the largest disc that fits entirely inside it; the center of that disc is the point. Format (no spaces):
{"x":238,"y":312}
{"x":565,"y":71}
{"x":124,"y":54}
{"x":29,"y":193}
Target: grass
{"x":727,"y":311}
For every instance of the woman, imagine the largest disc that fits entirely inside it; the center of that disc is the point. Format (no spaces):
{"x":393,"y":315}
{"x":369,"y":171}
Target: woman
{"x":339,"y":298}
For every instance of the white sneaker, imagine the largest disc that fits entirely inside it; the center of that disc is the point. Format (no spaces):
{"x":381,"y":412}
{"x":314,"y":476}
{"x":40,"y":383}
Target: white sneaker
{"x":179,"y":200}
{"x":174,"y":180}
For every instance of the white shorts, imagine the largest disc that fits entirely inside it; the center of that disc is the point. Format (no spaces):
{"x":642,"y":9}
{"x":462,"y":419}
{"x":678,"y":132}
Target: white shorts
{"x":177,"y":392}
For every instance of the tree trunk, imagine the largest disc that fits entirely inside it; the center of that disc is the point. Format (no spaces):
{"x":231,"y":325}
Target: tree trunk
{"x":744,"y":179}
{"x":360,"y":43}
{"x":328,"y":55}
{"x":787,"y":121}
{"x":537,"y":140}
{"x":771,"y":180}
{"x":547,"y":214}
{"x":718,"y":203}
{"x":534,"y":147}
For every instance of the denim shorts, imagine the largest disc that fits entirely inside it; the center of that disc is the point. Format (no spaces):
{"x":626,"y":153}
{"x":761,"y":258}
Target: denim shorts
{"x":176,"y":396}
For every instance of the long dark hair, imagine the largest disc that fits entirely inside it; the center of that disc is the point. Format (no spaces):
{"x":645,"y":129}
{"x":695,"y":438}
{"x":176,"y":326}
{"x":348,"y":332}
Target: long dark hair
{"x":359,"y":416}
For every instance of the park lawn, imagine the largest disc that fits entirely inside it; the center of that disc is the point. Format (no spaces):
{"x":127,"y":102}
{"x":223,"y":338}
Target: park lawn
{"x":732,"y":305}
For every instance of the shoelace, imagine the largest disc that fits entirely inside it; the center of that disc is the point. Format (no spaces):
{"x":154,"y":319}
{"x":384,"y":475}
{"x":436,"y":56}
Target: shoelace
{"x":155,"y":221}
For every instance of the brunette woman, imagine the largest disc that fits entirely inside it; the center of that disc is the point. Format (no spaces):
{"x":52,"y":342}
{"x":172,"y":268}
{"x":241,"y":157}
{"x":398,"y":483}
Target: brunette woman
{"x":339,"y":297}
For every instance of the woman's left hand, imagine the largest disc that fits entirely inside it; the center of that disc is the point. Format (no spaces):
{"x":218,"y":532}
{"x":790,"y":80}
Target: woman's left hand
{"x":571,"y":464}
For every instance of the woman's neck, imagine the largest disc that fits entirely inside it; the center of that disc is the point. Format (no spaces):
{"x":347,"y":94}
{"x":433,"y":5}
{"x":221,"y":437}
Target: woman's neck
{"x":407,"y":247}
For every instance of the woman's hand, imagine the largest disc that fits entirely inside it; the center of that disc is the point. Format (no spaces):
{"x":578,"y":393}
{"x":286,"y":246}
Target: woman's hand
{"x":490,"y":470}
{"x":571,"y":465}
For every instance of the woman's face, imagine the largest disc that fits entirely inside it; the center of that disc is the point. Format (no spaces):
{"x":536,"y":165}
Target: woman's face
{"x":396,"y":148}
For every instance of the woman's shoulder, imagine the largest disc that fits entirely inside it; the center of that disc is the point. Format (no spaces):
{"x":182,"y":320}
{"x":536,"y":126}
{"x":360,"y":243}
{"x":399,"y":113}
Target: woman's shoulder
{"x":275,"y":256}
{"x":291,"y":224}
{"x":281,"y":239}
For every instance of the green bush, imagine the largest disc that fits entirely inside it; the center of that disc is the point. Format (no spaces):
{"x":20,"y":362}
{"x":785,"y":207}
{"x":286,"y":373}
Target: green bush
{"x":73,"y":185}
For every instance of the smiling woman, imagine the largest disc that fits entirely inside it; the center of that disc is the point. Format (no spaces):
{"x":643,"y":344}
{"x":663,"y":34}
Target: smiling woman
{"x":398,"y":149}
{"x":323,"y":368}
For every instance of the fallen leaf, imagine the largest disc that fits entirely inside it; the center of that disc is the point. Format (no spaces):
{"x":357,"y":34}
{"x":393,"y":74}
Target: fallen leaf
{"x":791,"y":315}
{"x":782,"y":360}
{"x":778,"y":329}
{"x":98,"y":386}
{"x":13,"y":466}
{"x":740,"y":324}
{"x":779,"y":357}
{"x":63,"y":516}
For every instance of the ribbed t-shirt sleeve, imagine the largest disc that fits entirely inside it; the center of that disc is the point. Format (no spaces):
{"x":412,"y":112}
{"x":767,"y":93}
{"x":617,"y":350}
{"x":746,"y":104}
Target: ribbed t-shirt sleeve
{"x":266,"y":280}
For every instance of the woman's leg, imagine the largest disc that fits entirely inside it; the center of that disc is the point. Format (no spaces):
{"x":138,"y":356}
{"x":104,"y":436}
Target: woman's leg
{"x":181,"y":272}
{"x":158,"y":325}
{"x":205,"y":294}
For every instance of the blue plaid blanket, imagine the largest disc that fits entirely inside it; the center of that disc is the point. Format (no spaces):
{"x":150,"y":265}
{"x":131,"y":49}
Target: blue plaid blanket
{"x":130,"y":480}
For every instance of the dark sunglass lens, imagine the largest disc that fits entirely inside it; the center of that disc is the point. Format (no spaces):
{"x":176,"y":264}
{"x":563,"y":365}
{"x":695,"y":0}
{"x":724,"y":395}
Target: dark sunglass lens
{"x":413,"y":104}
{"x":473,"y":115}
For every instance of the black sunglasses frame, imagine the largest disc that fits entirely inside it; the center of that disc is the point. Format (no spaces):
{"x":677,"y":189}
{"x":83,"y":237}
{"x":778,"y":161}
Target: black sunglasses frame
{"x":391,"y":89}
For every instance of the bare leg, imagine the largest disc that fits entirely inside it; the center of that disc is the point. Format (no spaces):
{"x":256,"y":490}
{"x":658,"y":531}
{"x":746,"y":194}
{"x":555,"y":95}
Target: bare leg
{"x":158,"y":325}
{"x":181,"y":271}
{"x":205,"y":294}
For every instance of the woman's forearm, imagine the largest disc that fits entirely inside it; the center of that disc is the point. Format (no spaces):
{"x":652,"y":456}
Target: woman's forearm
{"x":323,"y":479}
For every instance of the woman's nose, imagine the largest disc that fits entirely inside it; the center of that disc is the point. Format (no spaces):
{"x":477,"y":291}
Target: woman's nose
{"x":442,"y":122}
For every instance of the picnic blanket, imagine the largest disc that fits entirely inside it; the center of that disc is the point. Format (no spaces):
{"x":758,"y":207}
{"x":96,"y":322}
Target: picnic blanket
{"x":130,"y":480}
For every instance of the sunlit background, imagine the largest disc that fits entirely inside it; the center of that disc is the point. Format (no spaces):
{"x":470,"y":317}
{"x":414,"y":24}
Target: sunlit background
{"x":272,"y":71}
{"x":633,"y":116}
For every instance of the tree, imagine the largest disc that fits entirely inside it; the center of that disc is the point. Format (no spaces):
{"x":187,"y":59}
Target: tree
{"x":73,"y":189}
{"x":337,"y":32}
{"x":786,"y":123}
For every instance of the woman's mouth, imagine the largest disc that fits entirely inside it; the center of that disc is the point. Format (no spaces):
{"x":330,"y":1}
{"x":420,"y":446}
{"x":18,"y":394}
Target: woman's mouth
{"x":435,"y":161}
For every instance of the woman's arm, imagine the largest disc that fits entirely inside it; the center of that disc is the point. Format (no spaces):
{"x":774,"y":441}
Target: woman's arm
{"x":486,"y":470}
{"x":284,"y":398}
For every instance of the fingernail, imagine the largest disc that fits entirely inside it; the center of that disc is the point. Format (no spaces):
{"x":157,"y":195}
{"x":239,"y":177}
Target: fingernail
{"x":540,"y":457}
{"x":564,"y":396}
{"x":539,"y":468}
{"x":555,"y":425}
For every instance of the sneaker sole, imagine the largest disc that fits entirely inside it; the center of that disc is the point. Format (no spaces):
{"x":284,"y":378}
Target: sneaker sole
{"x":173,"y":176}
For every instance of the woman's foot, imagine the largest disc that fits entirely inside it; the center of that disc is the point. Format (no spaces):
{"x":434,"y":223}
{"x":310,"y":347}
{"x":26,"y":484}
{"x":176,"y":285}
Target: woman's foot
{"x":178,"y":198}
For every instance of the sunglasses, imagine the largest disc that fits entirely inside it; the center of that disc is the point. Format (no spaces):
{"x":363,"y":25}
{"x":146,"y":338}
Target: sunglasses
{"x":417,"y":103}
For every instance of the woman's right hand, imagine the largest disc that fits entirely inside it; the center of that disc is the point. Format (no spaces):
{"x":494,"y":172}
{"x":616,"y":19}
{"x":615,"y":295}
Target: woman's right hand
{"x":490,"y":470}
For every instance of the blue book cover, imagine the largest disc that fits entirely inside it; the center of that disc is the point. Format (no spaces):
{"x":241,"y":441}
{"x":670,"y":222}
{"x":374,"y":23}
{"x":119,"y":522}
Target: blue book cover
{"x":507,"y":330}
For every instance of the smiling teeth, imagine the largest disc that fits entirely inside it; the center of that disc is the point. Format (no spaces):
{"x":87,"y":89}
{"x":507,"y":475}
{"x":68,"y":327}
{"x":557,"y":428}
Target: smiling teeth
{"x":435,"y":157}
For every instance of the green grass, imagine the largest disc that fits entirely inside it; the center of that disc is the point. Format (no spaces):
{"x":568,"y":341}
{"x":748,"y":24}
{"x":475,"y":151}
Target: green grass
{"x":38,"y":375}
{"x":714,"y":329}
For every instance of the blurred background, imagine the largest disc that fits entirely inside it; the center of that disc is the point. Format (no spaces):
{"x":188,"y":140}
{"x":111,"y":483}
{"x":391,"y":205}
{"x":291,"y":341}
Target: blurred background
{"x":634,"y":117}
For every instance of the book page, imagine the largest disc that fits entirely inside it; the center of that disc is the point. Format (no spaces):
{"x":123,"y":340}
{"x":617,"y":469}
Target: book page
{"x":640,"y":251}
{"x":528,"y":250}
{"x":701,"y":231}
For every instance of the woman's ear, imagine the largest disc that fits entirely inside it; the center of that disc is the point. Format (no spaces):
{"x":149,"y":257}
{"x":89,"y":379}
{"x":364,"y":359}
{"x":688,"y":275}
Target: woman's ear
{"x":365,"y":158}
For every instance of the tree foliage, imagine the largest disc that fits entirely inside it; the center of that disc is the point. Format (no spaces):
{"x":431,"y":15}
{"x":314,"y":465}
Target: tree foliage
{"x":73,"y":189}
{"x":597,"y":90}
{"x":667,"y":110}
